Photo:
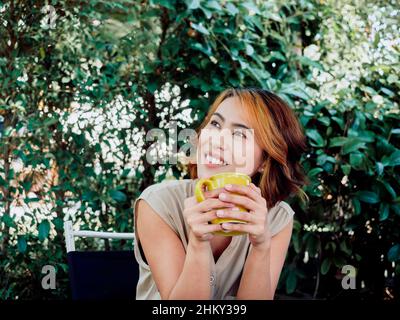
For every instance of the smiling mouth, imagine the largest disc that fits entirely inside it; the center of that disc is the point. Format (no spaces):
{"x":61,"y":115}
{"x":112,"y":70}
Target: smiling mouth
{"x":210,"y":160}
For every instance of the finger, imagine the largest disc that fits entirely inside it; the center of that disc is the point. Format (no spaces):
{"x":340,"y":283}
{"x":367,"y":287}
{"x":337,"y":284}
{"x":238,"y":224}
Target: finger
{"x":205,"y":217}
{"x":251,"y":229}
{"x":245,"y":190}
{"x":213,"y":193}
{"x":243,"y":201}
{"x":235,"y":214}
{"x":202,"y":229}
{"x":257,"y":189}
{"x":210,"y":204}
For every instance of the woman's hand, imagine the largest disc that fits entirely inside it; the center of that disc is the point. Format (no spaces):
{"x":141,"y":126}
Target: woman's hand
{"x":198,"y":214}
{"x":250,"y":198}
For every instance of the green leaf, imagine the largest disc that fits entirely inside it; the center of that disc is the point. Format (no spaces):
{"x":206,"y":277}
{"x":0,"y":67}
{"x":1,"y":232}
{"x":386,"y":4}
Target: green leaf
{"x":323,"y":159}
{"x":2,"y":181}
{"x":352,"y":145}
{"x":389,"y":188}
{"x":8,"y":221}
{"x":356,"y":206}
{"x":22,"y":245}
{"x":213,"y":5}
{"x":29,"y":200}
{"x":388,"y":92}
{"x":339,"y":121}
{"x":50,"y":121}
{"x":368,"y":196}
{"x":383,"y":211}
{"x":295,"y":92}
{"x":394,"y":253}
{"x":314,"y":172}
{"x":296,"y":243}
{"x":379,"y":168}
{"x":44,"y":229}
{"x":392,"y":160}
{"x":231,"y":8}
{"x":165,"y":3}
{"x":117,"y":195}
{"x":42,"y":53}
{"x":312,"y":244}
{"x":357,"y":160}
{"x":89,"y":195}
{"x":366,"y":136}
{"x":200,"y":28}
{"x":291,"y":282}
{"x":317,"y":140}
{"x":308,"y":62}
{"x":251,"y":7}
{"x":395,"y":208}
{"x":192,"y":4}
{"x":125,"y":173}
{"x":207,"y":51}
{"x":346,"y":168}
{"x":277,"y":55}
{"x":325,"y":266}
{"x":337,"y":141}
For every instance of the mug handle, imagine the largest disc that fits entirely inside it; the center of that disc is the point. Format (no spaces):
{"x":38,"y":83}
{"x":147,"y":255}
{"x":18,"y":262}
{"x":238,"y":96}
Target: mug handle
{"x":198,"y":191}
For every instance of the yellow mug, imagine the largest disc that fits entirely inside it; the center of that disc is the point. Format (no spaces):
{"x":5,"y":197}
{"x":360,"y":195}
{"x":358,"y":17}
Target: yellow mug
{"x":217,"y":181}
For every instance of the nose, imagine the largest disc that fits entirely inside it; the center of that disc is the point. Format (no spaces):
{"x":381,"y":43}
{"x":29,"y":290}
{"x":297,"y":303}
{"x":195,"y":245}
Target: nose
{"x":219,"y":139}
{"x":221,"y":142}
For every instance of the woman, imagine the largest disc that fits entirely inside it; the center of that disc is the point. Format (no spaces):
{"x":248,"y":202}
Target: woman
{"x":178,"y":254}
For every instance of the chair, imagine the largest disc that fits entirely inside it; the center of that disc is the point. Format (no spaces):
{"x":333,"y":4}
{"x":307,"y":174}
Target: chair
{"x":100,"y":274}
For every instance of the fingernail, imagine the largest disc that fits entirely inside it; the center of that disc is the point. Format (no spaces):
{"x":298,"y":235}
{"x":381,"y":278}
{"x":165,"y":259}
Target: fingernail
{"x":225,"y":225}
{"x":235,"y":209}
{"x":220,"y":213}
{"x":222,"y":195}
{"x":228,"y":186}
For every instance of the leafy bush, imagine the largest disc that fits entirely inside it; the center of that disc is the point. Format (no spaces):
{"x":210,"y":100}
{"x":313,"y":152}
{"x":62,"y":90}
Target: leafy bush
{"x":354,"y":207}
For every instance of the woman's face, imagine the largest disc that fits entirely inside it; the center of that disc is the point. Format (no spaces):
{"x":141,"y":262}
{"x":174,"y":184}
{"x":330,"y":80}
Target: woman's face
{"x":227,"y":143}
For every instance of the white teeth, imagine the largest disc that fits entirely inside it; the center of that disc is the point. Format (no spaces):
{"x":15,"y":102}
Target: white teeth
{"x":213,"y":160}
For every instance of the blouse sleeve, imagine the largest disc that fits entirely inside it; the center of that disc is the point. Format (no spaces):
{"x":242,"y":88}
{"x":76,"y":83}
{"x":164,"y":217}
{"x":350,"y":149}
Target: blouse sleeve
{"x":157,"y":199}
{"x":279,"y":217}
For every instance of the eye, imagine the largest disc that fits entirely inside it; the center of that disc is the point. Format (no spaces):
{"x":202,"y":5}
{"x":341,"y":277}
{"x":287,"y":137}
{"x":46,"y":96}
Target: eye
{"x":215,"y":123}
{"x":239,"y":133}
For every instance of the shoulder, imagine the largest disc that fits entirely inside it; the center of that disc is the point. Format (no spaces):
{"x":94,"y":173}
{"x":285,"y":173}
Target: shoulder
{"x":166,"y":199}
{"x":167,"y":190}
{"x":168,"y":187}
{"x":284,"y":206}
{"x":279,"y":216}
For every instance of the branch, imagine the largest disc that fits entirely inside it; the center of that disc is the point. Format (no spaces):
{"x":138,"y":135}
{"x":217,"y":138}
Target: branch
{"x":165,"y":22}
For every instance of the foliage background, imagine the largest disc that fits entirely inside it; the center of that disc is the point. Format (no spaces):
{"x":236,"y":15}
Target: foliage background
{"x":82,"y":83}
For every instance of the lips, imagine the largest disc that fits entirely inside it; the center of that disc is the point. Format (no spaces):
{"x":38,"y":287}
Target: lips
{"x":215,"y":160}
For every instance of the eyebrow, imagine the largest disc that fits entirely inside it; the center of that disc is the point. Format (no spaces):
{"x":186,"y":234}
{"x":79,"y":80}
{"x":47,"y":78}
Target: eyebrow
{"x":239,"y":125}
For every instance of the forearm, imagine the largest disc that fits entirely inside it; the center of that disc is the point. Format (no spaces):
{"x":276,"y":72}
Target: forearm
{"x":255,"y":283}
{"x":194,"y":281}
